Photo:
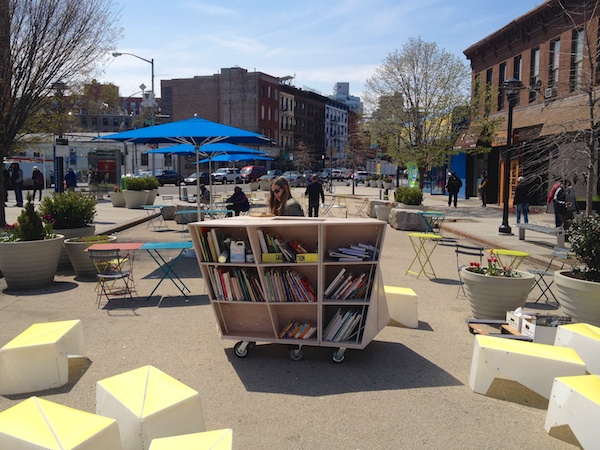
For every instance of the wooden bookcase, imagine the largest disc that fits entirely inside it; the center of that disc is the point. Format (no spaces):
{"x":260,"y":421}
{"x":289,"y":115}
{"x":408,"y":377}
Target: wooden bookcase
{"x":261,"y":317}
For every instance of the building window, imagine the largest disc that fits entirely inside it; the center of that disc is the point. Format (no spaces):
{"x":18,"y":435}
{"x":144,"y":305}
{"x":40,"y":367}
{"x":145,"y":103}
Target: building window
{"x":501,"y":79}
{"x":553,"y":68}
{"x":168,"y":160}
{"x":534,"y":73}
{"x":576,"y":60}
{"x":144,"y":159}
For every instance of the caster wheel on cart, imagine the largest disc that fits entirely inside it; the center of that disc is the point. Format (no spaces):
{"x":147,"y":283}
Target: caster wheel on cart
{"x":295,"y":354}
{"x":251,"y":345}
{"x":241,"y":350}
{"x":339,"y":355}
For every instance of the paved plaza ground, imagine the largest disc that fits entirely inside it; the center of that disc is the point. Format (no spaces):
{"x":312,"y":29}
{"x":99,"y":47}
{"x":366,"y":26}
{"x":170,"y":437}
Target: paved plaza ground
{"x":407,"y":389}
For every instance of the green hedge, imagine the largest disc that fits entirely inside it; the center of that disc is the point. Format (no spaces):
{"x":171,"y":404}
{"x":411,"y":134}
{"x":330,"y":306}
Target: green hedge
{"x":409,"y":196}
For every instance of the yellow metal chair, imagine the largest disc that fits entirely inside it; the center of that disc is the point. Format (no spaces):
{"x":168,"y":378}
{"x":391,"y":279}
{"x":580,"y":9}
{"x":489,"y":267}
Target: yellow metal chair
{"x":339,"y":202}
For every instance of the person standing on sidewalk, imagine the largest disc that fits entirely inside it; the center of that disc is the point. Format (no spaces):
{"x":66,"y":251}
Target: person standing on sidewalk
{"x":453,"y":186}
{"x":38,"y":181}
{"x":314,"y":190}
{"x":521,"y":201}
{"x":16,"y":181}
{"x":483,"y":188}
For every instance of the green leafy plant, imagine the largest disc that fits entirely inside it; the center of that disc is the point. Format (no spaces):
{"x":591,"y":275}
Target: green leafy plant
{"x":583,"y":234}
{"x":90,"y":239}
{"x":135,"y":184}
{"x":69,"y":209}
{"x":151,"y":183}
{"x":493,"y":268}
{"x":30,"y":226}
{"x":408,"y":195}
{"x":387,"y":179}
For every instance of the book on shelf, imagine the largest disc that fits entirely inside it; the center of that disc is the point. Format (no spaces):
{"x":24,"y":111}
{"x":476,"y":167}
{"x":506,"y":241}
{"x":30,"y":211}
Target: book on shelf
{"x":342,"y":325}
{"x":334,"y":282}
{"x":348,"y":328}
{"x":343,"y":285}
{"x":359,"y":252}
{"x":286,"y":285}
{"x":297,"y":330}
{"x":334,"y":325}
{"x":262,"y":241}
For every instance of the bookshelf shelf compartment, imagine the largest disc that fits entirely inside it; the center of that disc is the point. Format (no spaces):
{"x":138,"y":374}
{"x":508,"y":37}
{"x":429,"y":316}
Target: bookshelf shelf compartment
{"x":273,"y":318}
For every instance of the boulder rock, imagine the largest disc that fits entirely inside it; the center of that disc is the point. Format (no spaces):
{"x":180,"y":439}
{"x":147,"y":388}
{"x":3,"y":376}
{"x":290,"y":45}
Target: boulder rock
{"x":406,"y":219}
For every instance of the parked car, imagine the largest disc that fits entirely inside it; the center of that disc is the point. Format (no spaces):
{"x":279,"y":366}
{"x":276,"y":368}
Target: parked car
{"x":270,"y":175}
{"x":252,"y":173}
{"x":227,"y":175}
{"x":307,"y":174}
{"x":295,"y":178}
{"x":191,"y":179}
{"x":167,"y":177}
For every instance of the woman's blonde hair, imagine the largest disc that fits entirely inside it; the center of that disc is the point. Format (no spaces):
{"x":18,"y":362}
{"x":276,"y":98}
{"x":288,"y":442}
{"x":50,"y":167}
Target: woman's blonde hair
{"x":276,"y":207}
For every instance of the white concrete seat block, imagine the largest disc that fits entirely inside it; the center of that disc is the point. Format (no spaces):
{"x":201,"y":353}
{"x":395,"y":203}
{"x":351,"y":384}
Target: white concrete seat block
{"x":37,"y":359}
{"x":533,"y":365}
{"x":403,"y":305}
{"x":575,"y":401}
{"x":36,"y":424}
{"x":213,"y":440}
{"x":147,"y":404}
{"x":585,"y":340}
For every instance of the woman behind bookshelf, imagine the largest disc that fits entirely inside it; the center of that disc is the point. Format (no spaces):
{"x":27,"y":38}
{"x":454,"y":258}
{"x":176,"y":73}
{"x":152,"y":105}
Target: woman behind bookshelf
{"x":281,"y":202}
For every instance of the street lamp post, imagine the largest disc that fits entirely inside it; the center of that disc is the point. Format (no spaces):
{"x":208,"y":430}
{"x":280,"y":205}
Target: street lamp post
{"x":512,"y":88}
{"x":151,"y":62}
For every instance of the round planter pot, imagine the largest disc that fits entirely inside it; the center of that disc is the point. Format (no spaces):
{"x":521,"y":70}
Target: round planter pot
{"x":30,"y":264}
{"x":152,"y":193}
{"x":253,"y":186}
{"x":387,"y":185}
{"x":63,"y":262}
{"x":117,"y":199}
{"x":135,"y":199}
{"x":265,"y":185}
{"x":383,"y":212}
{"x":491,"y":297}
{"x":79,"y":258}
{"x":579,"y":299}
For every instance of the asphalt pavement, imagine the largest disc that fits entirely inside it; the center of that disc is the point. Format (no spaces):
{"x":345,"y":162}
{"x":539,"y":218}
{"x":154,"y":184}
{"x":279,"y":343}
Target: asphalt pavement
{"x":407,"y":389}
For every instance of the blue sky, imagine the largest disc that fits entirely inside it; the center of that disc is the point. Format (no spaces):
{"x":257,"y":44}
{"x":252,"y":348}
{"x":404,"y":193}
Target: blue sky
{"x":319,"y":42}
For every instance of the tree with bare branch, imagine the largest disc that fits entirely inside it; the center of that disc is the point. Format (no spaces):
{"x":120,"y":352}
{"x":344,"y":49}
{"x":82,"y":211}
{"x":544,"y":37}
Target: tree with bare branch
{"x":43,"y":42}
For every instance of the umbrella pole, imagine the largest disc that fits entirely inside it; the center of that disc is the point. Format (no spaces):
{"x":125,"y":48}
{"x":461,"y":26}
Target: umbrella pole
{"x":197,"y":149}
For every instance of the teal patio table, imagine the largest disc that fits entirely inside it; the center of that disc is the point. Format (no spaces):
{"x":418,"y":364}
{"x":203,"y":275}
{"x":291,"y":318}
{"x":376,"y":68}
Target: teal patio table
{"x":156,"y":220}
{"x":433,"y":221}
{"x":168,"y":267}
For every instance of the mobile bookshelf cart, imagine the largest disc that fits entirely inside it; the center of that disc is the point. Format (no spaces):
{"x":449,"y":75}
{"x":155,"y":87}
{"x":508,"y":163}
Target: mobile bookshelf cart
{"x":294,"y":281}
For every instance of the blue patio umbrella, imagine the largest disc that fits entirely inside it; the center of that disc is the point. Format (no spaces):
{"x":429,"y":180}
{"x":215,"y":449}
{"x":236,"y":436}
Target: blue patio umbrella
{"x":196,"y":132}
{"x":237,"y":157}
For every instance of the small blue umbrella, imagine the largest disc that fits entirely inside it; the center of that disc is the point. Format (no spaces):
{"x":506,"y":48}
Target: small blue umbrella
{"x":236,"y":157}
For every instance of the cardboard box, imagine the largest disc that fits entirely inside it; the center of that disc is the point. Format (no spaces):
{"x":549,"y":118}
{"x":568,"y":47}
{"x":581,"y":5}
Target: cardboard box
{"x":515,"y":321}
{"x":307,"y":257}
{"x":272,"y":257}
{"x":542,"y":329}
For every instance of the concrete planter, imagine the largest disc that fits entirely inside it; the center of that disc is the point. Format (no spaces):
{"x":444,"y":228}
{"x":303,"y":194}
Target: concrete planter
{"x":63,"y":262}
{"x":30,"y":264}
{"x":265,"y":185}
{"x":491,"y":297}
{"x":383,"y":212}
{"x":152,"y":193}
{"x":80,"y":259}
{"x":135,"y":199}
{"x":253,"y":186}
{"x":579,"y":299}
{"x":117,"y":199}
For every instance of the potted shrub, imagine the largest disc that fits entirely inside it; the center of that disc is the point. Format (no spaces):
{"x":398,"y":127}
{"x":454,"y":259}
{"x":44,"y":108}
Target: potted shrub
{"x":409,"y":196}
{"x":80,"y":260}
{"x":387,"y":182}
{"x":578,"y":289}
{"x":73,"y":213}
{"x":134,"y":193}
{"x":152,"y":185}
{"x":117,"y":198}
{"x":492,"y":289}
{"x":29,"y":250}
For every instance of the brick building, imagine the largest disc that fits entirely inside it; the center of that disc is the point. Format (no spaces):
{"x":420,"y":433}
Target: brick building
{"x":552,"y":50}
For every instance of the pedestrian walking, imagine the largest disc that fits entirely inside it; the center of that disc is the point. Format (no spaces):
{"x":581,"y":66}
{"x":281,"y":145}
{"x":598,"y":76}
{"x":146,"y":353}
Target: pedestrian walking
{"x":453,"y":185}
{"x":552,"y":203}
{"x":38,"y":181}
{"x":315,"y":192}
{"x":483,"y":188}
{"x":521,"y":200}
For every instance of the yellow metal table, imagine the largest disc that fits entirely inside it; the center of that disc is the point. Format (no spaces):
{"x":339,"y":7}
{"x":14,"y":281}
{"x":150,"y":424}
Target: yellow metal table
{"x":423,"y":252}
{"x":515,"y":257}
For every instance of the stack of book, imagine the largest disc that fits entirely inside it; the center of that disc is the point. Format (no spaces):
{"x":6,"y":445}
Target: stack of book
{"x":236,"y":284}
{"x":285,"y":285}
{"x":297,"y":330}
{"x":344,"y":326}
{"x":358,"y":252}
{"x":214,"y":246}
{"x":274,"y":243}
{"x":347,"y":286}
